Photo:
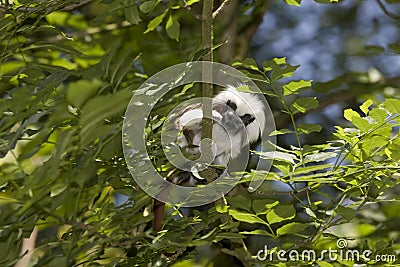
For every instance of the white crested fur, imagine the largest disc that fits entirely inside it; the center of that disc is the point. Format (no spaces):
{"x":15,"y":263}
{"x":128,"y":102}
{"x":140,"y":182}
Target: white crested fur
{"x":190,"y":117}
{"x":194,"y":117}
{"x":226,"y":146}
{"x":246,"y":104}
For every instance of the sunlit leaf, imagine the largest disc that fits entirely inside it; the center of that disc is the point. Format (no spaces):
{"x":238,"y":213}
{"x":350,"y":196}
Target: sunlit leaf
{"x":294,"y":87}
{"x":320,"y":156}
{"x":281,"y":131}
{"x":278,"y":155}
{"x":262,"y":206}
{"x":364,"y":107}
{"x":257,"y":232}
{"x":304,"y":104}
{"x":246,"y":217}
{"x":155,"y":22}
{"x":291,"y":228}
{"x":282,"y":72}
{"x":309,"y":128}
{"x":281,"y":213}
{"x":392,"y":105}
{"x":293,"y":2}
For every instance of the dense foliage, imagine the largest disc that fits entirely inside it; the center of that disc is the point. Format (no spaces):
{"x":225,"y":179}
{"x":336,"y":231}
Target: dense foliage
{"x":67,"y":72}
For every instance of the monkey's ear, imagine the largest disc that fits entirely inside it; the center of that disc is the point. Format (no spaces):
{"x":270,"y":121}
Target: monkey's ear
{"x":247,"y":119}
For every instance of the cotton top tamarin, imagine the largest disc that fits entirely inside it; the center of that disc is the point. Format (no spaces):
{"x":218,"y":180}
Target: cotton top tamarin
{"x":238,"y":120}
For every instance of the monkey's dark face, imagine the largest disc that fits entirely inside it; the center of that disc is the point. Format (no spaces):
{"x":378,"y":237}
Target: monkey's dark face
{"x":231,"y":122}
{"x":248,"y":107}
{"x":246,"y":118}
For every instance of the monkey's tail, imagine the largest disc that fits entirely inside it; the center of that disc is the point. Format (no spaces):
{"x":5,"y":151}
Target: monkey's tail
{"x":158,"y":210}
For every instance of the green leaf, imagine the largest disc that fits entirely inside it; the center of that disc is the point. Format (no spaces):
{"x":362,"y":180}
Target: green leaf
{"x":79,"y":92}
{"x":258,"y":232}
{"x":303,"y":104}
{"x":286,"y":71}
{"x":100,"y":108}
{"x":6,"y":199}
{"x":246,"y":217}
{"x":228,"y":235}
{"x":132,"y":14}
{"x":369,"y":145}
{"x":278,"y":155}
{"x":308,"y":128}
{"x":355,"y":118}
{"x":221,"y":209}
{"x":378,"y":114}
{"x":392,"y":105}
{"x":346,"y":212}
{"x":364,"y":107}
{"x":308,"y":169}
{"x":172,"y":27}
{"x":373,"y":50}
{"x":281,"y":131}
{"x":191,"y":2}
{"x":321,"y":156}
{"x":240,"y":202}
{"x":395,"y":47}
{"x":58,"y":18}
{"x":261,"y":206}
{"x":309,"y":212}
{"x":294,"y":87}
{"x":148,"y":6}
{"x":246,"y":89}
{"x":291,"y":228}
{"x":293,"y":2}
{"x":319,"y":262}
{"x":155,"y":22}
{"x":393,"y":151}
{"x":281,"y":213}
{"x":274,"y":63}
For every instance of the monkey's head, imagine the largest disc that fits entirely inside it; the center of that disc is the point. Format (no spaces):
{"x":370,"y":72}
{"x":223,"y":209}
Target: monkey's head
{"x":248,"y":107}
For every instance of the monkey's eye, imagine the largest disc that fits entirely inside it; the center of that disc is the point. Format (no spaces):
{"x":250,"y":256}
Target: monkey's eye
{"x":247,"y":119}
{"x":231,"y":105}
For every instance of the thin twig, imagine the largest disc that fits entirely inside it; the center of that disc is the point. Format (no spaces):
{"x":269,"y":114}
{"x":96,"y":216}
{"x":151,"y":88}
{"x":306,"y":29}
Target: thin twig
{"x":220,"y":8}
{"x":90,"y":31}
{"x":190,"y":10}
{"x":386,"y":11}
{"x":73,"y":6}
{"x":48,"y":7}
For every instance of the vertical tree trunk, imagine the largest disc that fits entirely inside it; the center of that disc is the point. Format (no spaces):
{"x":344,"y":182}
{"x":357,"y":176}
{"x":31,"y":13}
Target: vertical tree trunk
{"x":207,"y":40}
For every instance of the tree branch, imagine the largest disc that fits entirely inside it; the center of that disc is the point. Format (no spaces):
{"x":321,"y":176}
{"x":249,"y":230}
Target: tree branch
{"x":79,"y":4}
{"x":90,"y":31}
{"x":220,"y":8}
{"x":190,"y":10}
{"x":386,"y":11}
{"x":48,"y":7}
{"x":207,"y":123}
{"x":246,"y":32}
{"x":229,"y":22}
{"x":282,"y":120}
